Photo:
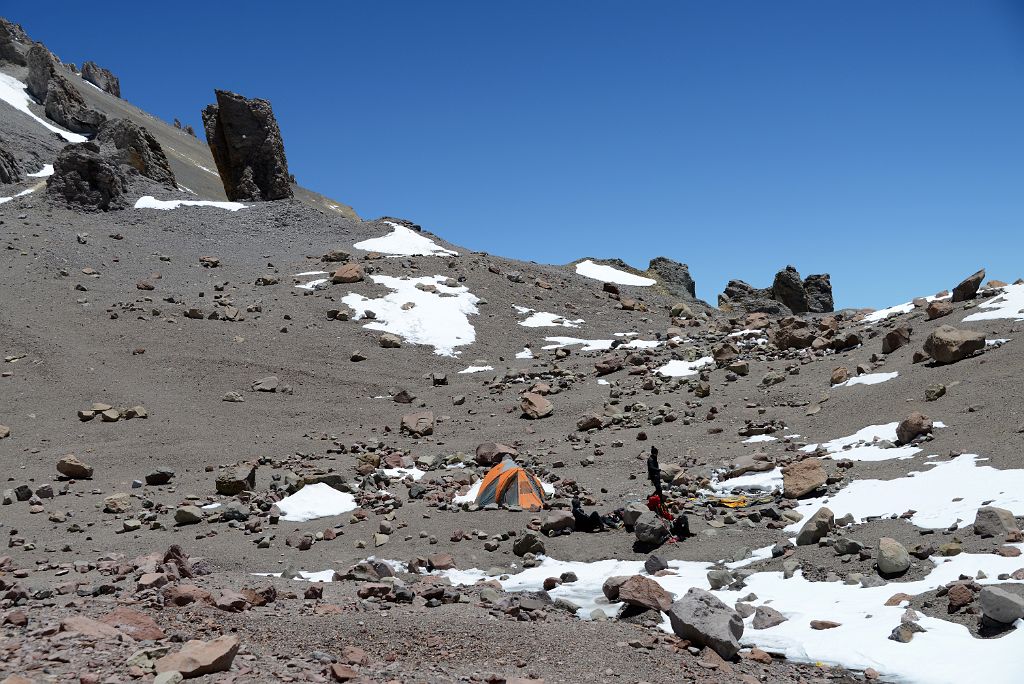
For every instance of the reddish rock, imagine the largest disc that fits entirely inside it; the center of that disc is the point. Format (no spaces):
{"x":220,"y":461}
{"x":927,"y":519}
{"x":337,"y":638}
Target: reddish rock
{"x":198,"y":658}
{"x":184,"y":594}
{"x":133,"y":623}
{"x":349,"y":273}
{"x":802,"y":478}
{"x":644,"y":592}
{"x":87,"y":627}
{"x":959,"y":597}
{"x":535,"y":406}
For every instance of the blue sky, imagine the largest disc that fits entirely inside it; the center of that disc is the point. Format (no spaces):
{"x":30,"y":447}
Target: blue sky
{"x":880,"y":140}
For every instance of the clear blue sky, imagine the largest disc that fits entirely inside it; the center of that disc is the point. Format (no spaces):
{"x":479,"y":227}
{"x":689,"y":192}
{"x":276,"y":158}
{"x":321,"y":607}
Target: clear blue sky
{"x":879,"y":140}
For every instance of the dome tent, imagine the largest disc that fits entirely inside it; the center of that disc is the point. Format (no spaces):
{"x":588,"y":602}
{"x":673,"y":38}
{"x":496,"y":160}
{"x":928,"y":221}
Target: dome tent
{"x":509,"y":484}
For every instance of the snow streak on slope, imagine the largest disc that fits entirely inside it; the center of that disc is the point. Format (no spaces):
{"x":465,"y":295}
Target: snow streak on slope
{"x":403,"y":241}
{"x":12,"y":91}
{"x":439,"y":319}
{"x":868,"y":379}
{"x":148,"y":202}
{"x":609,"y":274}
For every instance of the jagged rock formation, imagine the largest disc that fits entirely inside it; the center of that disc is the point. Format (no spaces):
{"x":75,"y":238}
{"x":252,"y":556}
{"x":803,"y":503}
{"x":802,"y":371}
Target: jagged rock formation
{"x":673,"y":276}
{"x":11,"y":35}
{"x":101,"y":78}
{"x":83,"y":177}
{"x":246,"y":144}
{"x":136,"y":147}
{"x":10,"y":169}
{"x":64,"y":105}
{"x":788,"y":294}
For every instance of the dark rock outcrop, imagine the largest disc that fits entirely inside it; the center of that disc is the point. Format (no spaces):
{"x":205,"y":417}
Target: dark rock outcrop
{"x":86,"y":179}
{"x":10,"y":169}
{"x":101,"y":78}
{"x":819,"y":293}
{"x":12,"y":43}
{"x":968,"y":287}
{"x":674,"y":277}
{"x":136,"y":147}
{"x":246,"y":144}
{"x":787,"y":295}
{"x":63,"y":104}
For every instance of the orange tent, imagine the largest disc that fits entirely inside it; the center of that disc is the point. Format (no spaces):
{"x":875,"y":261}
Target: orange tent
{"x":509,"y":484}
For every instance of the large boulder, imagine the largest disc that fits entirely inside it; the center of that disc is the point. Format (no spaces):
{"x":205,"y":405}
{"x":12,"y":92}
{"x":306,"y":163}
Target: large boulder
{"x":701,"y":617}
{"x":63,"y":104}
{"x":991,"y":521}
{"x":419,"y":424}
{"x":1001,"y":605}
{"x":893,"y":557}
{"x":246,"y":144}
{"x":913,"y":425}
{"x":101,"y":78}
{"x":643,"y":592}
{"x":894,"y":339}
{"x":651,"y":529}
{"x":198,"y":658}
{"x":82,"y":177}
{"x":968,"y":287}
{"x":802,"y":478}
{"x":947,"y":344}
{"x":136,"y":147}
{"x":535,"y":406}
{"x":10,"y":169}
{"x":816,"y":528}
{"x":492,"y":453}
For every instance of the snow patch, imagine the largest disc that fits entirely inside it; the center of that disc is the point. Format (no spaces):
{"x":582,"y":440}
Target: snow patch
{"x":47,"y":170}
{"x":439,"y":319}
{"x":527,"y":353}
{"x":906,"y":307}
{"x":1009,"y":304}
{"x":868,"y":379}
{"x":404,"y":241}
{"x":4,"y":200}
{"x":148,"y":202}
{"x":759,"y":438}
{"x":476,"y":369}
{"x":314,"y":501}
{"x":543,"y":319}
{"x":677,"y":368}
{"x":609,"y":274}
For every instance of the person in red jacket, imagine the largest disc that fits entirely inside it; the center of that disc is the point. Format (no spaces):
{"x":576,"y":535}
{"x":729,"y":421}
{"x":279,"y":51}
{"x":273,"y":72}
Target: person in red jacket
{"x":680,"y":524}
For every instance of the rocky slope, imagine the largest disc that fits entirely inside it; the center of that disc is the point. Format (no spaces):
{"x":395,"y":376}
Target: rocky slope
{"x":239,"y":442}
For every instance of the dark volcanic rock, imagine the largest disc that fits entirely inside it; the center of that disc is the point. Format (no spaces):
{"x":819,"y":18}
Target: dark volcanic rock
{"x":788,"y":288}
{"x":136,"y":147}
{"x":741,"y":297}
{"x":674,"y":277}
{"x":819,"y":293}
{"x":968,"y":287}
{"x":246,"y":144}
{"x":63,"y":104}
{"x":10,"y":169}
{"x":83,"y":177}
{"x":101,"y":78}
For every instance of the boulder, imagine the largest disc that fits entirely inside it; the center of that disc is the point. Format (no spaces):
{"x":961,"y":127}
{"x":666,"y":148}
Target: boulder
{"x":991,"y":521}
{"x":643,"y":592}
{"x":70,"y":466}
{"x":893,"y":558}
{"x":674,"y":277}
{"x":894,"y":339}
{"x":492,"y":453}
{"x":766,"y":617}
{"x":136,"y":147}
{"x":198,"y":658}
{"x":528,"y":543}
{"x":700,"y":617}
{"x":947,"y":344}
{"x":235,"y":480}
{"x":83,"y":178}
{"x":839,"y":375}
{"x":802,"y":478}
{"x":651,"y":529}
{"x":816,"y":528}
{"x":968,"y":287}
{"x":419,"y":424}
{"x":913,"y":425}
{"x":557,"y":521}
{"x":1001,"y":605}
{"x":609,"y":363}
{"x":535,"y":406}
{"x":137,"y":625}
{"x":246,"y":144}
{"x":938,"y":309}
{"x":348,"y":273}
{"x":101,"y":78}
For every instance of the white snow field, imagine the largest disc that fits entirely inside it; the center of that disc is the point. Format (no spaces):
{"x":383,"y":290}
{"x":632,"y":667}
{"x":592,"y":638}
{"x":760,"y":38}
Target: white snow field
{"x":1009,"y":304}
{"x":403,"y":241}
{"x":314,"y":501}
{"x":868,"y":379}
{"x":441,"y":322}
{"x":677,"y":368}
{"x":610,"y":274}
